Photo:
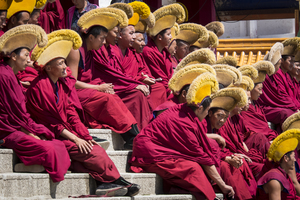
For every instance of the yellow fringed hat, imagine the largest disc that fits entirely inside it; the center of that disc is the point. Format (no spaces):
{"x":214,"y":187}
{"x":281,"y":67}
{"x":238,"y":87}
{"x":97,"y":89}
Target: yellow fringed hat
{"x":289,"y":47}
{"x":200,"y":56}
{"x":201,"y":87}
{"x":140,"y":11}
{"x":212,"y":41}
{"x":166,"y":16}
{"x":144,"y":24}
{"x":186,"y":75}
{"x":125,"y":7}
{"x":246,"y":84}
{"x":229,"y":98}
{"x":275,"y":53}
{"x":4,"y":4}
{"x":106,"y":17}
{"x":216,"y":27}
{"x":228,"y":60}
{"x":175,"y":31}
{"x":20,"y":5}
{"x":292,"y":122}
{"x":40,"y":3}
{"x":283,"y":143}
{"x":227,"y":75}
{"x":263,"y":68}
{"x":249,"y":70}
{"x":59,"y":45}
{"x":191,"y":32}
{"x":27,"y":35}
{"x":297,"y":56}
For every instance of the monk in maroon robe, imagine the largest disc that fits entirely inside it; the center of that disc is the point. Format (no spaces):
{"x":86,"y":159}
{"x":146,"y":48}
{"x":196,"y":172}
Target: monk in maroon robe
{"x":33,"y":143}
{"x":175,"y":146}
{"x":134,"y":94}
{"x":49,"y":101}
{"x":158,"y":58}
{"x":52,"y":17}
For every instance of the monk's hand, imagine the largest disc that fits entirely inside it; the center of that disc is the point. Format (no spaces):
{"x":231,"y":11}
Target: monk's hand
{"x":93,"y":142}
{"x":105,"y":87}
{"x":149,"y":81}
{"x":84,"y":146}
{"x":143,"y":89}
{"x":228,"y":190}
{"x":234,"y":161}
{"x":221,"y":141}
{"x":35,"y":136}
{"x":26,"y":84}
{"x":241,"y":156}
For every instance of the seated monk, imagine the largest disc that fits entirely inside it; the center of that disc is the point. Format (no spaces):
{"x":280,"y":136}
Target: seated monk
{"x":97,"y":59}
{"x":49,"y":100}
{"x":102,"y":108}
{"x":297,"y":76}
{"x":275,"y":182}
{"x":175,"y":146}
{"x":254,"y":117}
{"x":277,"y":100}
{"x":33,"y":143}
{"x":155,"y":53}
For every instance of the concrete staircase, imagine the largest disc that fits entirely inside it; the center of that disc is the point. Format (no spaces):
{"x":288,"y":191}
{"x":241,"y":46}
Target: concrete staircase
{"x":15,"y":186}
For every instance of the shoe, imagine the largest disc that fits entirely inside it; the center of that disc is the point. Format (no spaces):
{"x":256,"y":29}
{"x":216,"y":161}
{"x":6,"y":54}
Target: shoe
{"x":20,"y":167}
{"x":128,"y":146}
{"x":102,"y":142}
{"x":111,"y":189}
{"x":133,"y":189}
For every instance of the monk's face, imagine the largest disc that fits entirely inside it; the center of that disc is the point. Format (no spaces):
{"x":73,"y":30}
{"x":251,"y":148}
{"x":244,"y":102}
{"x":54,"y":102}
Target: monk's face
{"x":256,"y":92}
{"x":201,"y":113}
{"x":193,"y":48}
{"x":34,"y":17}
{"x":289,"y":161}
{"x":288,"y":63}
{"x":112,"y":36}
{"x":218,"y":118}
{"x":21,"y":60}
{"x":2,"y":19}
{"x":98,"y":41}
{"x":139,"y":42}
{"x":172,"y":48}
{"x":277,"y":65}
{"x":79,"y":4}
{"x":183,"y":49}
{"x":19,"y":19}
{"x":295,"y":71}
{"x":127,"y":37}
{"x":246,"y":107}
{"x":56,"y":68}
{"x":166,"y":38}
{"x":236,"y":111}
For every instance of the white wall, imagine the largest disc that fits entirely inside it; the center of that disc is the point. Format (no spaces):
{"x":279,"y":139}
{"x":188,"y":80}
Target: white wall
{"x":104,"y":3}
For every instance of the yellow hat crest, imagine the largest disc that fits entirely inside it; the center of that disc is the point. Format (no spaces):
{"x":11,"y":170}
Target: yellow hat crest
{"x":216,"y":27}
{"x":263,"y":68}
{"x":283,"y":143}
{"x":249,"y":70}
{"x":228,"y":60}
{"x":201,"y":87}
{"x":275,"y":53}
{"x":212,"y":41}
{"x":40,"y":3}
{"x":20,"y":5}
{"x":144,"y":24}
{"x":14,"y":38}
{"x":186,"y":75}
{"x":124,"y":7}
{"x":292,"y":122}
{"x":227,"y":75}
{"x":246,"y":84}
{"x":199,"y":56}
{"x":191,"y":32}
{"x":59,"y":45}
{"x":106,"y":17}
{"x":290,"y":46}
{"x":4,"y":4}
{"x":229,"y":98}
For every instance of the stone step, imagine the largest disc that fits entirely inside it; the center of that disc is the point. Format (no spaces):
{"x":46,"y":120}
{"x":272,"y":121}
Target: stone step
{"x":115,"y":139}
{"x":120,"y":158}
{"x":39,"y":185}
{"x":147,"y":197}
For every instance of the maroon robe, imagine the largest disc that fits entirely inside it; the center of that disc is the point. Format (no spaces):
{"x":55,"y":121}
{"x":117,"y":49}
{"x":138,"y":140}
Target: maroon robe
{"x":276,"y":100}
{"x":101,"y":65}
{"x":172,"y":100}
{"x":51,"y":153}
{"x":133,"y":65}
{"x":159,"y":63}
{"x":255,"y":120}
{"x":52,"y":17}
{"x":51,"y":105}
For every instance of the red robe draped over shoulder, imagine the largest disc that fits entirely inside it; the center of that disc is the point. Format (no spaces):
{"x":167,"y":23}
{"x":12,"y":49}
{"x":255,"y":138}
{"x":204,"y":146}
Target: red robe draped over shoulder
{"x":159,"y":63}
{"x":52,"y":17}
{"x":167,"y":142}
{"x":101,"y":65}
{"x":54,"y":106}
{"x":255,"y":120}
{"x":14,"y":116}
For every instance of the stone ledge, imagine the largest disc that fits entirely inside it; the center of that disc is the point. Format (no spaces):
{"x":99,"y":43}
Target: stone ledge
{"x":120,"y":158}
{"x":116,"y":141}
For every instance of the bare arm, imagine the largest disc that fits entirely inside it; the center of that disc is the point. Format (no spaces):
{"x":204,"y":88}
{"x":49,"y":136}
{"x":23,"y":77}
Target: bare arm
{"x":220,"y":140}
{"x":293,"y":176}
{"x":84,"y":146}
{"x":273,"y":188}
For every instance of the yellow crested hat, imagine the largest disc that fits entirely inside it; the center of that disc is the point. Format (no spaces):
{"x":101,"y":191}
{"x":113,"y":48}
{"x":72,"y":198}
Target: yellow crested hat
{"x":175,"y":31}
{"x":20,"y":5}
{"x":228,"y":60}
{"x":144,"y":24}
{"x":4,"y":4}
{"x":227,"y":75}
{"x":292,"y":122}
{"x":27,"y":35}
{"x":201,"y":87}
{"x":275,"y":53}
{"x":289,"y":47}
{"x":140,"y":11}
{"x":297,"y":56}
{"x":191,"y":32}
{"x":166,"y":16}
{"x":216,"y":27}
{"x":212,"y":41}
{"x":106,"y":17}
{"x":199,"y":56}
{"x":229,"y":98}
{"x":59,"y":45}
{"x":283,"y":143}
{"x":263,"y":68}
{"x":249,"y":70}
{"x":40,"y":3}
{"x":125,"y":7}
{"x":246,"y":84}
{"x":186,"y":75}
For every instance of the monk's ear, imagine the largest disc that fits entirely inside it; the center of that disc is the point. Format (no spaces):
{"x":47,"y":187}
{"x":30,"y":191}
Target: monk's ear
{"x":183,"y":93}
{"x":13,"y":20}
{"x":13,"y":56}
{"x":159,"y":37}
{"x":47,"y":68}
{"x":91,"y":38}
{"x":210,"y":113}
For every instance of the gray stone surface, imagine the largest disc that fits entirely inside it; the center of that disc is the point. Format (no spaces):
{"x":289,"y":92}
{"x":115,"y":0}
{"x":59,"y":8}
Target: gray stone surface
{"x":120,"y":158}
{"x":116,"y":141}
{"x":7,"y":158}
